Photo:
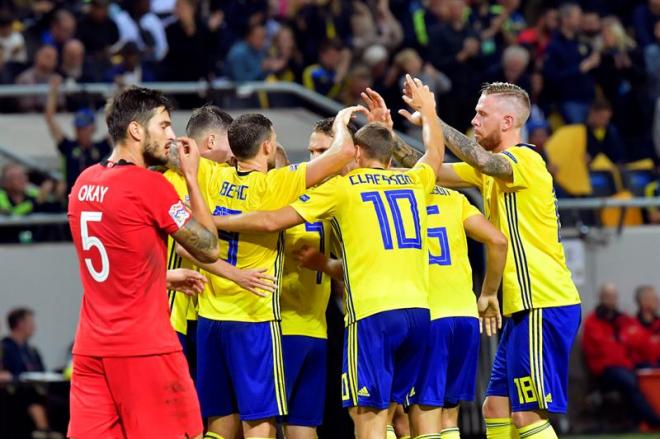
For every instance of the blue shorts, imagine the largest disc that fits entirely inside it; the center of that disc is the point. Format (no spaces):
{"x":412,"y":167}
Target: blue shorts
{"x":240,"y":369}
{"x":305,"y":369}
{"x":449,"y":371}
{"x":531,"y":364}
{"x":382,"y":357}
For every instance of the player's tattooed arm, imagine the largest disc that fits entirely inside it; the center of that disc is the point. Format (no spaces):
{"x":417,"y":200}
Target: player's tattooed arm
{"x":405,"y":154}
{"x":200,"y":242}
{"x":475,"y":155}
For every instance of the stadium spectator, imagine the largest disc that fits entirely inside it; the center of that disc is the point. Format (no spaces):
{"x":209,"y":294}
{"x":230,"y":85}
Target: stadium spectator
{"x":18,"y":197}
{"x":11,"y":41}
{"x":602,"y":136}
{"x":287,"y":61}
{"x":590,"y":27}
{"x":62,"y":29}
{"x":568,"y":67}
{"x":81,"y":152}
{"x":247,"y":59}
{"x":19,"y":356}
{"x":317,"y":22}
{"x":512,"y":68}
{"x":647,"y":315}
{"x":99,"y":33}
{"x":376,"y":58}
{"x":374,"y":26}
{"x":624,"y":81}
{"x":454,"y":49}
{"x":327,"y":77}
{"x":131,"y":70}
{"x":607,"y":339}
{"x":73,"y":68}
{"x":190,"y":40}
{"x":537,"y":37}
{"x":43,"y":69}
{"x":652,"y":63}
{"x":6,"y":77}
{"x":645,"y":18}
{"x":409,"y":62}
{"x":498,"y":25}
{"x":244,"y":15}
{"x":137,"y":24}
{"x":357,"y":81}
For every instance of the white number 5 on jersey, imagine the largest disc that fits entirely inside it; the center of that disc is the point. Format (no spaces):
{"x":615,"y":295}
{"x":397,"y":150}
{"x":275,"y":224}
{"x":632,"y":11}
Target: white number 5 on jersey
{"x":92,"y":241}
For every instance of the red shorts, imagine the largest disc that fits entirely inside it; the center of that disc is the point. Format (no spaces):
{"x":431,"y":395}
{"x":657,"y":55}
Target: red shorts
{"x":133,"y":397}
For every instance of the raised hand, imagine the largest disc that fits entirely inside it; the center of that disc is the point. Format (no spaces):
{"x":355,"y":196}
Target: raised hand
{"x":420,"y":98}
{"x":344,"y":116}
{"x":188,"y":156}
{"x":378,"y":111}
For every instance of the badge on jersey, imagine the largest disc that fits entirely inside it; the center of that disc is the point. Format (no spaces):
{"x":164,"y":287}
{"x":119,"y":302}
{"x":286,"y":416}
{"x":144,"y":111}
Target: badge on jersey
{"x":179,"y":213}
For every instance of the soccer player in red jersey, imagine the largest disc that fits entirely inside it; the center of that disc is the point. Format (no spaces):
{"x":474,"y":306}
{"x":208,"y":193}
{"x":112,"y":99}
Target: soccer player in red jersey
{"x":130,"y":378}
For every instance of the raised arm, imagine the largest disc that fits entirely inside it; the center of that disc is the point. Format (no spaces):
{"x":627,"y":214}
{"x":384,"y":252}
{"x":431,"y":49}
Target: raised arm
{"x":51,"y":109}
{"x":480,"y":229}
{"x":198,"y":235}
{"x":340,"y":153}
{"x":404,"y":153}
{"x":259,"y":222}
{"x":475,"y":155}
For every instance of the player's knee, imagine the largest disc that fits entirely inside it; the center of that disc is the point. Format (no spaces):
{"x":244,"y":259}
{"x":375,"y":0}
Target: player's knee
{"x":522,"y":419}
{"x":495,"y":408}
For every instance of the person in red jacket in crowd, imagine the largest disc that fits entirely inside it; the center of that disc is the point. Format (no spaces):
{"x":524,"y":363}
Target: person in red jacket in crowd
{"x":610,"y":341}
{"x":648,"y":307}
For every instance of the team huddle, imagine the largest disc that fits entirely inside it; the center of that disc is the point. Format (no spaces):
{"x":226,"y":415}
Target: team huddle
{"x":259,"y":239}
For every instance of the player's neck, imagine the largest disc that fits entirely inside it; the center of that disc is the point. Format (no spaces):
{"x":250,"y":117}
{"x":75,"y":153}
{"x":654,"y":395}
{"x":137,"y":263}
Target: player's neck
{"x":372,"y":164}
{"x":18,"y":338}
{"x":123,"y":152}
{"x":257,"y":163}
{"x":507,"y":142}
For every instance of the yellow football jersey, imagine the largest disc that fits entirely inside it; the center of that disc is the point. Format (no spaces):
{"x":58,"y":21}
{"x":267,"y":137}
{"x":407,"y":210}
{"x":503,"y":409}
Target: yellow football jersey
{"x":232,"y":192}
{"x":450,"y":273}
{"x":183,"y":307}
{"x":525,"y":210}
{"x":379,"y":217}
{"x":305,"y":293}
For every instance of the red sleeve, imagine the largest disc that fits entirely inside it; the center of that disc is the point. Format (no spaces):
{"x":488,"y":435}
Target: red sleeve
{"x":162,"y":205}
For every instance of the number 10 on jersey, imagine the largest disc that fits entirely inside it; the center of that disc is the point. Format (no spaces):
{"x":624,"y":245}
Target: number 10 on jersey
{"x":396,"y":200}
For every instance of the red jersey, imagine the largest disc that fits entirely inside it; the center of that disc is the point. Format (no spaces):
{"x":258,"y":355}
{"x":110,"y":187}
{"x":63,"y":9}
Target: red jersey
{"x":120,"y":217}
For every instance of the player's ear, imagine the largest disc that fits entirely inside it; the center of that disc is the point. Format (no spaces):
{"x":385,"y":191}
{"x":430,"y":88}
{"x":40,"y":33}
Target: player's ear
{"x":268,"y":147}
{"x":135,"y":130}
{"x":210,"y":141}
{"x":507,"y":122}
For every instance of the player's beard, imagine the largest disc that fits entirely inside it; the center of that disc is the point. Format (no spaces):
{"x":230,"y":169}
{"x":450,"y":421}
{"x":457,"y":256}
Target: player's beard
{"x":490,"y":142}
{"x":150,"y":153}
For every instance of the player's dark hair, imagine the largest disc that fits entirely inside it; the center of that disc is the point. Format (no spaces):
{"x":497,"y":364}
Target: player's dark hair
{"x":324,"y":126}
{"x":133,"y":104}
{"x":376,"y":141}
{"x":16,"y":316}
{"x":208,"y":117}
{"x":247,"y":132}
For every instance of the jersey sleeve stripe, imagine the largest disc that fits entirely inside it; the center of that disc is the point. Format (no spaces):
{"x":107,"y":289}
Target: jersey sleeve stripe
{"x":350,"y":307}
{"x":519,"y":256}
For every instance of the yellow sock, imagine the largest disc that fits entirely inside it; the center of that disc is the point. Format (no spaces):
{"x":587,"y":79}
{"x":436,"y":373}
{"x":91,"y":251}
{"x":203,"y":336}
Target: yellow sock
{"x":211,"y":435}
{"x":390,"y":432}
{"x":404,"y":437}
{"x":450,"y":433}
{"x":538,"y":430}
{"x":429,"y":436}
{"x":500,"y":428}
